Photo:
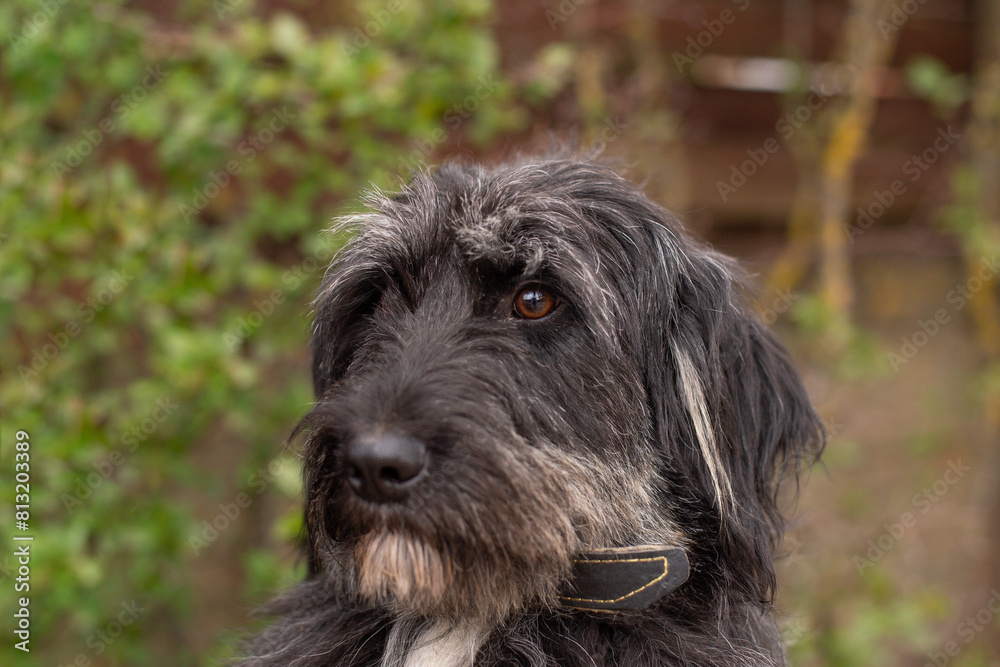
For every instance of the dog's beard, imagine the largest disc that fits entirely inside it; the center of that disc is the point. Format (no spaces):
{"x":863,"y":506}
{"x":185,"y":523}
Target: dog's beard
{"x":398,"y":568}
{"x":397,"y":564}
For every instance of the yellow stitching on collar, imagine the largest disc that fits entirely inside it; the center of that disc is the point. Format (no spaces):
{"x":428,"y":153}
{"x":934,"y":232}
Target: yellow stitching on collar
{"x":663,"y":559}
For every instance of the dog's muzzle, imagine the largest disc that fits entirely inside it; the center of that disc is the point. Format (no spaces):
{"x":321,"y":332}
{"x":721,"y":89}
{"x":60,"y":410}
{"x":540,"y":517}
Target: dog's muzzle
{"x":385,"y":467}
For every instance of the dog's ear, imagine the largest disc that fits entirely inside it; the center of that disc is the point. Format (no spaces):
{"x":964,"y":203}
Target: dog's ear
{"x":731,"y":412}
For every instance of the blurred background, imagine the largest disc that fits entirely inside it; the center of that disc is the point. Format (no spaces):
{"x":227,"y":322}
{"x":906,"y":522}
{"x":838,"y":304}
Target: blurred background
{"x":167,"y":170}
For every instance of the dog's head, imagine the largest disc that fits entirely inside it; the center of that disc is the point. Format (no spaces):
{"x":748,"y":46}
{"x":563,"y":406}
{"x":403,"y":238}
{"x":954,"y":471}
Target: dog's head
{"x":517,"y":364}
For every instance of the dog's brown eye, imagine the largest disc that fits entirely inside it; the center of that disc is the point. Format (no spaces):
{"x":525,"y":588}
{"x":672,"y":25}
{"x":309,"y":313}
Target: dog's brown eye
{"x":534,"y":302}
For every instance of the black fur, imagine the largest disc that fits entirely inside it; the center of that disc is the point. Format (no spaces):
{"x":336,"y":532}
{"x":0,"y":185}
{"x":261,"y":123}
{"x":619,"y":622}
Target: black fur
{"x":651,"y":406}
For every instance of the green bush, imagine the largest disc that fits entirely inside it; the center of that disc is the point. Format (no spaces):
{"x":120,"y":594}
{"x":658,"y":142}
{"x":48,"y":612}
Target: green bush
{"x":163,"y":187}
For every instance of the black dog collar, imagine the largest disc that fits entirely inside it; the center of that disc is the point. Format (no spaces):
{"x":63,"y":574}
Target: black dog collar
{"x":628,"y":578}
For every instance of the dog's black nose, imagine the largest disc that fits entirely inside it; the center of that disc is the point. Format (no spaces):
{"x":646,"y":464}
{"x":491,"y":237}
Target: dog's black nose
{"x":382,"y":468}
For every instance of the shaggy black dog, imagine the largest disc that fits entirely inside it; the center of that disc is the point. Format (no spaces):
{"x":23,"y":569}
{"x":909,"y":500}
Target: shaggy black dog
{"x":519,"y":370}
